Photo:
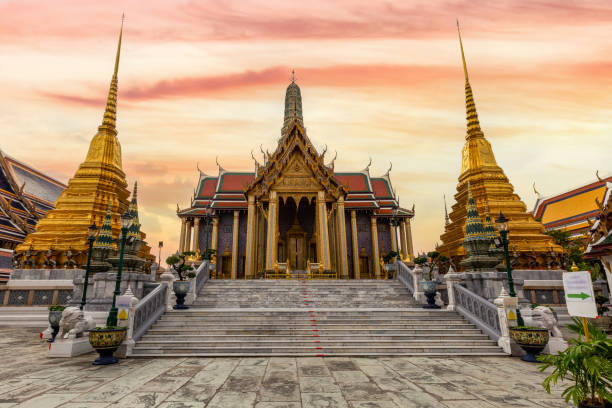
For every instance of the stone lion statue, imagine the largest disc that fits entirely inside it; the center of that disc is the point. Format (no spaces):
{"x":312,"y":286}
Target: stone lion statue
{"x":74,"y":323}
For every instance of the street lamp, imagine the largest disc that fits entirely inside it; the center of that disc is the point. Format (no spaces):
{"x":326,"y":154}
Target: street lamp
{"x":207,"y":222}
{"x":92,"y":230}
{"x":502,"y":225}
{"x":395,"y":223}
{"x":126,"y":220}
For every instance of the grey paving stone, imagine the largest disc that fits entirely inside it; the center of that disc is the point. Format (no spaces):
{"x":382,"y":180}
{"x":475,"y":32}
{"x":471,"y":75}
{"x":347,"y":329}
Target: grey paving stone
{"x":350,"y":377}
{"x":232,"y":399}
{"x":47,"y":400}
{"x":318,"y":385}
{"x":323,"y":400}
{"x":373,"y":404}
{"x":363,"y":392}
{"x":141,"y":400}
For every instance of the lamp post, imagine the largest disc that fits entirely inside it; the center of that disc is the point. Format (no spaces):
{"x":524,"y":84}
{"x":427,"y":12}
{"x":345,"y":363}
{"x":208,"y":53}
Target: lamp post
{"x":502,"y":225}
{"x":395,"y":223}
{"x":207,"y":222}
{"x":91,"y":237}
{"x":126,"y":220}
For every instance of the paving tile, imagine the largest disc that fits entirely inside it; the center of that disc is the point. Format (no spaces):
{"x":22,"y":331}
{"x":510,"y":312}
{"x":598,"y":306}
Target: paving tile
{"x":232,"y":399}
{"x":551,"y":403}
{"x":283,"y":404}
{"x":183,"y":371}
{"x":318,"y":385}
{"x":193,"y":393}
{"x":323,"y":400}
{"x":242,"y":384}
{"x":313,"y":371}
{"x":181,"y":405}
{"x":363,"y":392}
{"x":350,"y":377}
{"x":141,"y":400}
{"x":47,"y":400}
{"x":341,"y":365}
{"x":280,"y":391}
{"x":414,"y":400}
{"x":373,"y":404}
{"x":83,"y":405}
{"x":447,"y":391}
{"x":163,"y":383}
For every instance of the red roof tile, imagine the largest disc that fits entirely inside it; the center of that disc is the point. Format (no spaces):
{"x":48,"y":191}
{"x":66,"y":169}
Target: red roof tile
{"x":207,"y":187}
{"x":235,"y":181}
{"x":353,"y":181}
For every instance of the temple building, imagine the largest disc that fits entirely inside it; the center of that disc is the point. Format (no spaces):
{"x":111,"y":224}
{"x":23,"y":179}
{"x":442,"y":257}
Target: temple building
{"x":492,"y":193}
{"x":296,"y":212}
{"x":599,"y":237}
{"x":60,"y":238}
{"x":26,"y":195}
{"x":573,"y":210}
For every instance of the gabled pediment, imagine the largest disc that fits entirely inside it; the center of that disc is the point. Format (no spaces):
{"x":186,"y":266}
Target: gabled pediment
{"x":295,"y":164}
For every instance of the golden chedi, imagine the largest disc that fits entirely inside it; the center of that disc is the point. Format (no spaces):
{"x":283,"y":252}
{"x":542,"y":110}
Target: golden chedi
{"x":60,"y":239}
{"x":529,"y":246}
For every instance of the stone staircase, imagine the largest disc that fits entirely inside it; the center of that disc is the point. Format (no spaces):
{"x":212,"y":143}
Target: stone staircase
{"x":311,"y":318}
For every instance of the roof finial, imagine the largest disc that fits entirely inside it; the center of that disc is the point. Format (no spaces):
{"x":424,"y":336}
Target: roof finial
{"x":465,"y":72}
{"x":446,"y":217}
{"x":388,"y":171}
{"x":473,"y":125}
{"x":110,"y":113}
{"x":537,"y":192}
{"x":597,"y":175}
{"x":221,"y":169}
{"x":367,"y":168}
{"x":292,"y":75}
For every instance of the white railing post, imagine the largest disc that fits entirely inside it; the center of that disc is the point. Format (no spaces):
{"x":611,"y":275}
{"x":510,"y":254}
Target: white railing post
{"x":167,"y":278}
{"x":504,"y":302}
{"x":417,"y":274}
{"x":452,"y":279}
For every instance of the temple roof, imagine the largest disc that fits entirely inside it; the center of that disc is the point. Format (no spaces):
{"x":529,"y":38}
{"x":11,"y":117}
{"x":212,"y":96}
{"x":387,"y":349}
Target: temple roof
{"x":226,"y":192}
{"x":600,"y":233}
{"x":571,"y":209}
{"x":26,"y":195}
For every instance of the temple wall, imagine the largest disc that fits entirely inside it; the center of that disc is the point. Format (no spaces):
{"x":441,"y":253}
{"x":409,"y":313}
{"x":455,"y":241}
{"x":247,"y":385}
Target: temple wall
{"x":226,"y":220}
{"x":384,"y":237}
{"x":364,"y":234}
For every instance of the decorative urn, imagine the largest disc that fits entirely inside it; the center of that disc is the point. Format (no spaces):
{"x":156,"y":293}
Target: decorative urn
{"x":106,"y":340}
{"x":180,"y":287}
{"x":55,"y":315}
{"x":531,"y":339}
{"x":429,"y":288}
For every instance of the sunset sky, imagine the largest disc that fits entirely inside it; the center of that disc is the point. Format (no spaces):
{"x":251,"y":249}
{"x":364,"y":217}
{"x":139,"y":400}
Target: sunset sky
{"x":200,"y":79}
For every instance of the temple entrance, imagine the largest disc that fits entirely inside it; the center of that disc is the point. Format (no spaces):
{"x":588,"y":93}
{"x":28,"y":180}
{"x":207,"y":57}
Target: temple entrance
{"x":296,"y":226}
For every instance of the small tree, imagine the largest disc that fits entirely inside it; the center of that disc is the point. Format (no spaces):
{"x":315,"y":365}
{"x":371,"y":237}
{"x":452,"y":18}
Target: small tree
{"x":435,"y":259}
{"x":178,"y":264}
{"x":390,"y":255}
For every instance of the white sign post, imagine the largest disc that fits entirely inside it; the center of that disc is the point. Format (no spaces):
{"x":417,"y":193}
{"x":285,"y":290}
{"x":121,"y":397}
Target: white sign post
{"x":579,"y":295}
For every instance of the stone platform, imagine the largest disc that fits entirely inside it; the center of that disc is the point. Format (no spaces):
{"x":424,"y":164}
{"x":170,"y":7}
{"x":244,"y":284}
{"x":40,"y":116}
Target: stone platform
{"x":29,"y":379}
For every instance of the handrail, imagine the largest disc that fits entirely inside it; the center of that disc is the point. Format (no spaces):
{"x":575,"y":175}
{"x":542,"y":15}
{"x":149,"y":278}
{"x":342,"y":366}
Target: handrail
{"x":478,"y":310}
{"x":149,"y":309}
{"x":405,"y":276}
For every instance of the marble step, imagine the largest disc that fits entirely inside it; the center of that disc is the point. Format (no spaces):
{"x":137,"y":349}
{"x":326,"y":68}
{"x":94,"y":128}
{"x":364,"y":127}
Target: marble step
{"x":329,"y":350}
{"x":323,"y":342}
{"x":145,"y":354}
{"x":309,"y":337}
{"x":321,"y":332}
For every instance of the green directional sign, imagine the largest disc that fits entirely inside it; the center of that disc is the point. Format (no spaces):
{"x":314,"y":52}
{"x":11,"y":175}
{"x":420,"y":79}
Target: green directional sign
{"x":580,"y":295}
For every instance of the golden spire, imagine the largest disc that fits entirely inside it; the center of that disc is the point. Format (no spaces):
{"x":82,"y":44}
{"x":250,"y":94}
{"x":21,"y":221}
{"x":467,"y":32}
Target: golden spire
{"x":473,"y":125}
{"x":110,"y":113}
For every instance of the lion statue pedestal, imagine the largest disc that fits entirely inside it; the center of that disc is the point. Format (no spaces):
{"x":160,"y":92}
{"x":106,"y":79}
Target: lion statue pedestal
{"x":70,"y":340}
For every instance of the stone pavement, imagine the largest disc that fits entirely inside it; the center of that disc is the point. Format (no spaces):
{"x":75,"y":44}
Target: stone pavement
{"x":29,"y":379}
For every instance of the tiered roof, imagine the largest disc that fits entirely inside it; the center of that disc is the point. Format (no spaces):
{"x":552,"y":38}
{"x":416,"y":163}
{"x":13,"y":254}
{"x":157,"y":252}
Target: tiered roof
{"x":226,"y":192}
{"x":26,"y":195}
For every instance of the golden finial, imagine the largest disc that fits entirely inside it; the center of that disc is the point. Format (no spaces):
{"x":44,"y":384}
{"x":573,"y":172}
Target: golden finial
{"x":597,"y":175}
{"x":574,"y":267}
{"x":292,"y":75}
{"x":446,"y":217}
{"x":536,"y":191}
{"x":110,"y":113}
{"x":465,"y":72}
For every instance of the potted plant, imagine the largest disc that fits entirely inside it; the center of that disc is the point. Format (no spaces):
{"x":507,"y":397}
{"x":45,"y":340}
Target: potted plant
{"x":106,"y":340}
{"x":208,"y":254}
{"x":588,"y":364}
{"x":387,"y":259}
{"x":55,"y":315}
{"x":429,"y":286}
{"x":181,"y":286}
{"x":531,"y":339}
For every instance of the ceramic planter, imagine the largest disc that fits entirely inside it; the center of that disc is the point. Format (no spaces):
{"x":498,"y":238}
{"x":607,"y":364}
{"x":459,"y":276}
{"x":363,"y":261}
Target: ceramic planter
{"x":429,"y":288}
{"x":106,"y":341}
{"x":531,"y":339}
{"x":54,"y":321}
{"x":181,"y":288}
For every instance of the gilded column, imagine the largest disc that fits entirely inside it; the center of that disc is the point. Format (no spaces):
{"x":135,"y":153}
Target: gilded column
{"x":403,"y":244}
{"x":250,"y":243}
{"x":323,"y":236}
{"x":187,"y":244}
{"x":182,"y":239}
{"x":271,"y":241}
{"x":393,"y":232}
{"x":355,"y":244}
{"x":196,"y":235}
{"x":214,"y":244}
{"x":235,"y":243}
{"x":409,"y":239}
{"x":340,"y":217}
{"x":375,"y":255}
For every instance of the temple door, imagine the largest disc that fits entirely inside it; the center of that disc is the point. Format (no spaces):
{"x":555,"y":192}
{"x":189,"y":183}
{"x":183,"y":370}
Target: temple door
{"x":297,"y":251}
{"x":364,"y":265}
